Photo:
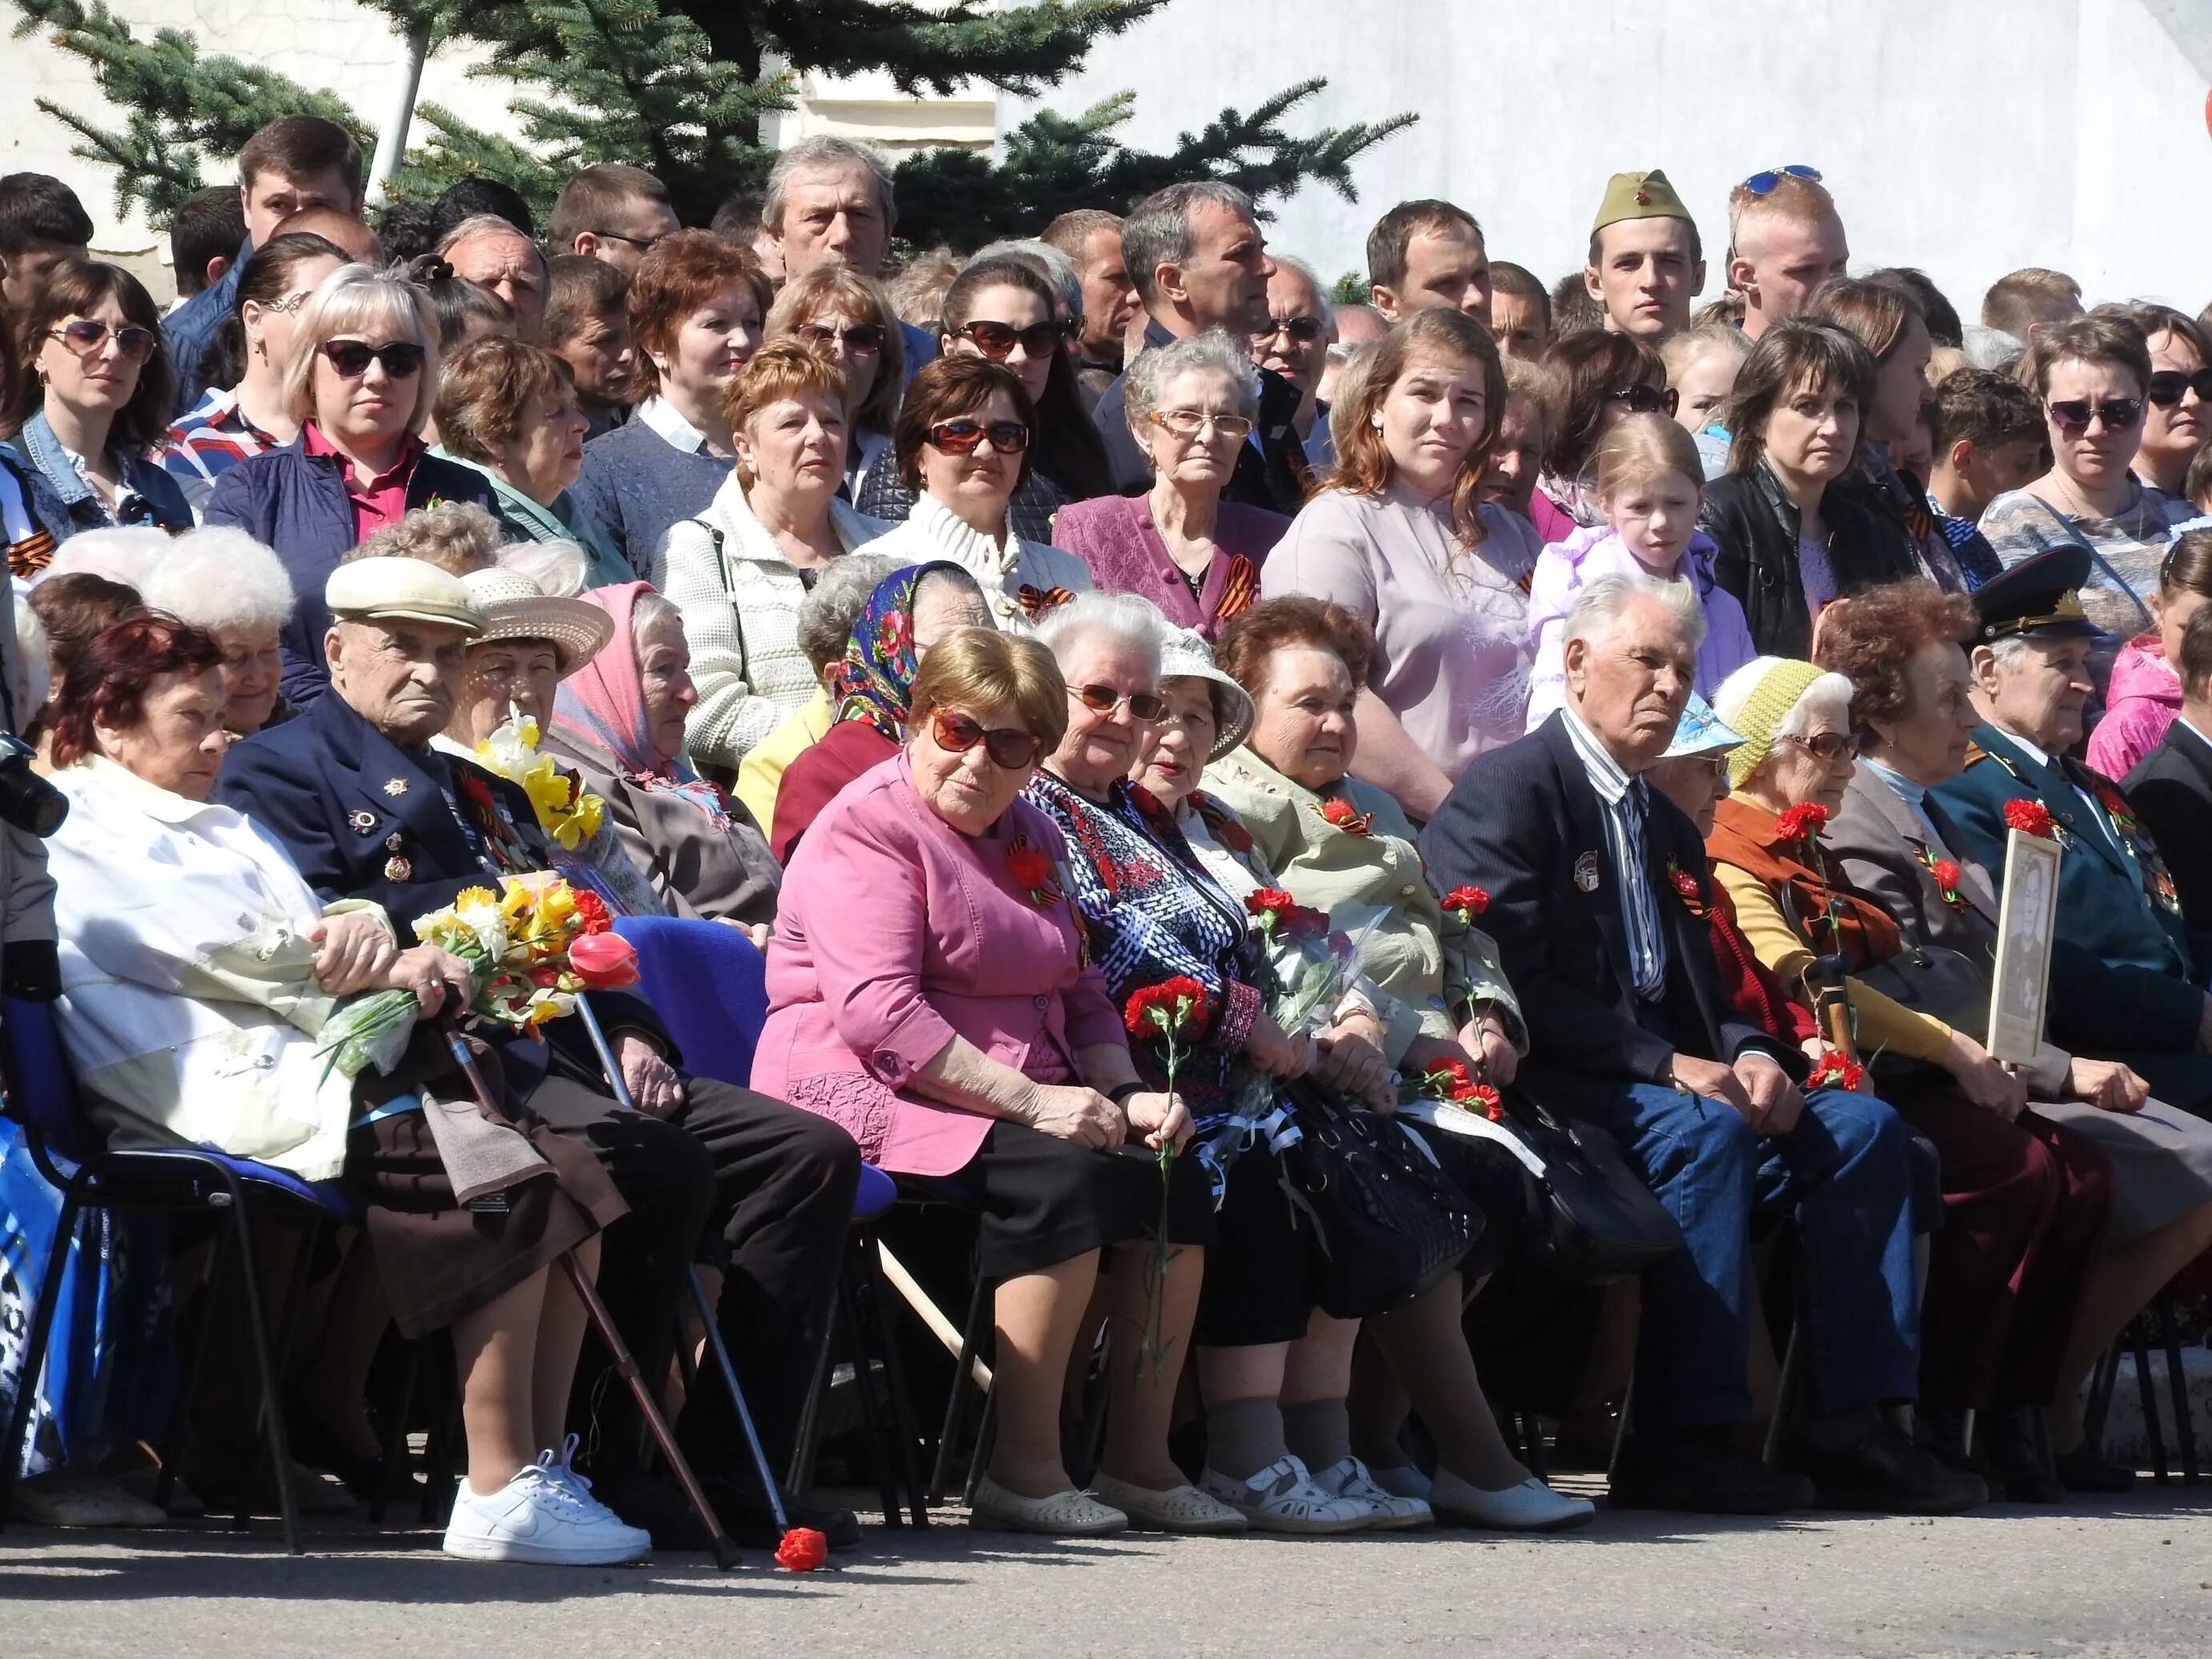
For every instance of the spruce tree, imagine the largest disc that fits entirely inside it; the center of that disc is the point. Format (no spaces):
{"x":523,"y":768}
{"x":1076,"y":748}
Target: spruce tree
{"x":681,"y":87}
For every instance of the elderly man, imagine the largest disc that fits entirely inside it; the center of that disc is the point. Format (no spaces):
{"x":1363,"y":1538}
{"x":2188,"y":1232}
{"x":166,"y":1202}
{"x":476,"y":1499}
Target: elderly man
{"x":1091,"y":238}
{"x":829,"y":202}
{"x":1646,"y":262}
{"x":1301,"y":327}
{"x":1597,"y":899}
{"x":1356,"y":327}
{"x":611,"y":212}
{"x":492,"y":253}
{"x":1196,"y":253}
{"x":2127,"y":971}
{"x":366,"y":808}
{"x":1785,"y":238}
{"x":1428,"y":253}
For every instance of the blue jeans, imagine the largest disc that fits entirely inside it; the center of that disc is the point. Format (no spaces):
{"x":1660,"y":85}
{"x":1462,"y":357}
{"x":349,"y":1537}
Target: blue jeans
{"x":1845,"y":1173}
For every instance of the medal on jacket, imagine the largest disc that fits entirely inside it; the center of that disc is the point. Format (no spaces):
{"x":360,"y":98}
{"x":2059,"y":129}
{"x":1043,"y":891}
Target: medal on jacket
{"x":1586,"y":872}
{"x":397,"y":869}
{"x":363,"y":822}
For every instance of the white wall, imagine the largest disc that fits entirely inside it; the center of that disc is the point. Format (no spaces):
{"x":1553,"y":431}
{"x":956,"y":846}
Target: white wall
{"x":1967,"y":136}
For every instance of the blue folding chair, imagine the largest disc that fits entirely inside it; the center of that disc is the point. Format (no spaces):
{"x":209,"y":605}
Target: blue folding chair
{"x":67,"y":1150}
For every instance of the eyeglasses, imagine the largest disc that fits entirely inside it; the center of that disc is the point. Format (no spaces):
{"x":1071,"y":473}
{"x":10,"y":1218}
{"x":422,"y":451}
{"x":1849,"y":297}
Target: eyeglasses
{"x":2073,"y":415}
{"x":86,"y":334}
{"x":1009,"y":750}
{"x":1145,"y":706}
{"x":1644,"y":399}
{"x":1193,"y":422}
{"x":1304,"y":330}
{"x":351,"y":359}
{"x":962,"y":437}
{"x":998,"y":340}
{"x":1767,"y":183}
{"x":1828,"y":746}
{"x":862,"y":337}
{"x":645,"y":243}
{"x":2168,"y":386}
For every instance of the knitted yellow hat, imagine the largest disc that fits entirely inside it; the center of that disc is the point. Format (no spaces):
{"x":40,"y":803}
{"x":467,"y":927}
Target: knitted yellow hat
{"x":1760,"y":705}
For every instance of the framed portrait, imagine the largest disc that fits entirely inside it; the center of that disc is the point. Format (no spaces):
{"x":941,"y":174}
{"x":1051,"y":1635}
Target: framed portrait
{"x":2027,"y":916}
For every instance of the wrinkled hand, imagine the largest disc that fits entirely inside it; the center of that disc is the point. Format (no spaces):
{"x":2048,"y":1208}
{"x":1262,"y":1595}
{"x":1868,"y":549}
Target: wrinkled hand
{"x":1347,"y":1062}
{"x":1775,"y":1105}
{"x":1161,"y":1119}
{"x":758,"y":932}
{"x":656,"y":1088}
{"x":1070,"y":1112}
{"x":1713,"y":1081}
{"x":439,"y":981}
{"x":1983,"y":1080}
{"x":2106,"y":1084}
{"x":1278,"y":1053}
{"x":1485,"y":1037}
{"x":357,"y":954}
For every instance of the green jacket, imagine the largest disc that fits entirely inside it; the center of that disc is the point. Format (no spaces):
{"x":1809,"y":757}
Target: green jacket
{"x":525,"y":520}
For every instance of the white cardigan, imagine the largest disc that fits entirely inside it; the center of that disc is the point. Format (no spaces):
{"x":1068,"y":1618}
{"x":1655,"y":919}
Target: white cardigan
{"x":739,"y":593}
{"x":189,"y":1004}
{"x":1002,"y":569}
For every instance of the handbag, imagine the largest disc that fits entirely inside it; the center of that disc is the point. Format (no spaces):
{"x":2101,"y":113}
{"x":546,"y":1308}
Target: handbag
{"x":1391,"y":1224}
{"x":1934,"y":980}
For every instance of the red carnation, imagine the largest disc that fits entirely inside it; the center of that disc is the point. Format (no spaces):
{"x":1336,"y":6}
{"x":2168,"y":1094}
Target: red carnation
{"x":1832,"y":1071}
{"x":1261,"y":900}
{"x":1946,"y":874}
{"x":592,"y":915}
{"x":1304,"y":922}
{"x":1346,"y":816}
{"x":1168,"y":1008}
{"x":2030,"y":817}
{"x":803,"y":1550}
{"x":1802,"y":822}
{"x":1484,"y":1096}
{"x":1031,"y":871}
{"x":1468,"y":901}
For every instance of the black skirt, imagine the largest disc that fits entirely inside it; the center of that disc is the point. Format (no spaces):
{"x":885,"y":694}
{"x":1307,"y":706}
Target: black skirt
{"x":1263,"y":1275}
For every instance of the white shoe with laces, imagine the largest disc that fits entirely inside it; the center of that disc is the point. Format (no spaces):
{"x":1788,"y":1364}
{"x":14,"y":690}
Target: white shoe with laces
{"x":538,"y":1516}
{"x":1282,"y":1497}
{"x":1388,"y":1512}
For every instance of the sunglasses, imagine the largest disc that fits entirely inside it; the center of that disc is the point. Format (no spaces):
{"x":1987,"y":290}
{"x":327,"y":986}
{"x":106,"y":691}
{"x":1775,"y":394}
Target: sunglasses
{"x":962,"y":437}
{"x":1193,"y":422}
{"x":1009,"y":751}
{"x":860,"y":336}
{"x":998,"y":340}
{"x":2168,"y":386}
{"x":1644,"y":399}
{"x":351,"y":359}
{"x":2073,"y":415}
{"x":1825,"y":745}
{"x":1767,"y":183}
{"x":1146,"y":706}
{"x":645,"y":244}
{"x":1304,"y":330}
{"x":87,"y":335}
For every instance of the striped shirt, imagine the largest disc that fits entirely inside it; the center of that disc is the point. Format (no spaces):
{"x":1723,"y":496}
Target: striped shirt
{"x":207,"y":442}
{"x":1626,"y":802}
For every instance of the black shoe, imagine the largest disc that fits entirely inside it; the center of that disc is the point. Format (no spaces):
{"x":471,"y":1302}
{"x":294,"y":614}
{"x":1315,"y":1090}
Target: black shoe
{"x":744,"y":1512}
{"x":2019,"y":1457}
{"x":1702,"y":1474}
{"x":1942,"y":1430}
{"x":660,"y":1507}
{"x":1886,"y":1472}
{"x":2082,"y":1470}
{"x":364,"y":1477}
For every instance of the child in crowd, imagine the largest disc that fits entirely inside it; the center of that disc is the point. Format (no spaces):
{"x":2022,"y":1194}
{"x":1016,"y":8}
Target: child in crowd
{"x":1651,"y":487}
{"x":1701,"y":367}
{"x":1989,"y":439}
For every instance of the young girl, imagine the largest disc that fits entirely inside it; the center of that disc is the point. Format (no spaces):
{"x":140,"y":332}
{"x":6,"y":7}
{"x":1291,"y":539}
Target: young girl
{"x":1649,"y":487}
{"x":2144,"y":696}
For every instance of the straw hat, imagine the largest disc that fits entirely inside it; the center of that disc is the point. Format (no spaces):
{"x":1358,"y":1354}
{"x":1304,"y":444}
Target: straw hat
{"x":516,"y":608}
{"x":1187,"y":656}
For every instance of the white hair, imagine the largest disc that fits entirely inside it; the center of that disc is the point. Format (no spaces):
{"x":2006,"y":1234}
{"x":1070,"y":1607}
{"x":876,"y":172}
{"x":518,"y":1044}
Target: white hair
{"x":557,"y":566}
{"x":1058,"y":271}
{"x":121,"y":553}
{"x":1128,"y":618}
{"x":827,"y":613}
{"x":216,"y":577}
{"x":488,"y":224}
{"x":824,"y":153}
{"x":1214,"y":351}
{"x":1599,"y":608}
{"x":34,"y":680}
{"x":1288,"y":262}
{"x":2007,"y":651}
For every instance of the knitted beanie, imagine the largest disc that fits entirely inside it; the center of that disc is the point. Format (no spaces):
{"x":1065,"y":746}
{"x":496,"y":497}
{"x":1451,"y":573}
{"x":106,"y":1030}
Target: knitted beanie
{"x":1755,"y":700}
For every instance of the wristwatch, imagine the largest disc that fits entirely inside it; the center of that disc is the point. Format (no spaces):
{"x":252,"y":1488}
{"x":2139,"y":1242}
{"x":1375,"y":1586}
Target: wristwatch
{"x":1119,"y":1093}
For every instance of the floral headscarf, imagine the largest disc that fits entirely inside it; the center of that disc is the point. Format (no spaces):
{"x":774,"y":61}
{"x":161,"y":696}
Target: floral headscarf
{"x":876,"y":683}
{"x":602,"y":703}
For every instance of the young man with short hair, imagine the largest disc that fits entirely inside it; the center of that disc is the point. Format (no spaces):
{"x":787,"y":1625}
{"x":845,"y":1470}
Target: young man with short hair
{"x":1646,"y":261}
{"x":1427,"y":254}
{"x":1520,"y":311}
{"x":587,"y":327}
{"x":205,"y":233}
{"x":1091,"y":238}
{"x":611,"y":212}
{"x":41,"y":224}
{"x":2023,"y":303}
{"x":1785,"y":238}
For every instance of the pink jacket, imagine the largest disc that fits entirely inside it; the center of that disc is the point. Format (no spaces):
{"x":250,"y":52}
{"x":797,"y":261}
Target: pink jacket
{"x":894,"y":934}
{"x":1114,"y":536}
{"x":2143,"y":700}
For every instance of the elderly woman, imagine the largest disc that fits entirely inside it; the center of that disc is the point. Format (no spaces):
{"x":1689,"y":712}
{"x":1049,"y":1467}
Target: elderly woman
{"x":903,"y":615}
{"x":1608,"y":376}
{"x":835,"y":307}
{"x":230,"y":586}
{"x":201,"y":1017}
{"x":999,"y":308}
{"x":363,"y":375}
{"x":2177,"y":398}
{"x":2026,"y":1199}
{"x":1787,"y":535}
{"x":963,"y":443}
{"x":89,"y":400}
{"x":1191,"y":406}
{"x":738,"y":571}
{"x":1401,"y":539}
{"x":696,"y":305}
{"x":1899,"y":645}
{"x":930,"y":992}
{"x":509,"y":410}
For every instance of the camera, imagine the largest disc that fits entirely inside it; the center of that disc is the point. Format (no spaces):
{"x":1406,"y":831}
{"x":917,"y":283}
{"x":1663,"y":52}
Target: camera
{"x":27,"y":801}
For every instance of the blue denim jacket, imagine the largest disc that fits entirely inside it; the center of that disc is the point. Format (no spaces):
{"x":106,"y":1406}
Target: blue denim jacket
{"x":68,"y":505}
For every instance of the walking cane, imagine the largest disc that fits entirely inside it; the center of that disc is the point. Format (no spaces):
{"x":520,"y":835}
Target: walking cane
{"x":725,"y":1553}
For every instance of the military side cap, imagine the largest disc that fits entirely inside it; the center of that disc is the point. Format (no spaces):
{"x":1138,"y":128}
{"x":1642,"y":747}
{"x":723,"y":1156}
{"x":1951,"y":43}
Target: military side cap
{"x":1638,"y":196}
{"x":403,"y":590}
{"x":2039,"y":598}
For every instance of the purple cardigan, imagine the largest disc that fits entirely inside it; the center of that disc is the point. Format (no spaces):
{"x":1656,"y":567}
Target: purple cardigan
{"x":1114,"y":536}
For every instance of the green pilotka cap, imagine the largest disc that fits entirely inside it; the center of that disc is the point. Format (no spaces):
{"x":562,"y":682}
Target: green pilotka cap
{"x":1638,"y":196}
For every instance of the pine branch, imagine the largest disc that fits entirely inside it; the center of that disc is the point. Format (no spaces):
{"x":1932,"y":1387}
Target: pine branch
{"x":1023,"y":49}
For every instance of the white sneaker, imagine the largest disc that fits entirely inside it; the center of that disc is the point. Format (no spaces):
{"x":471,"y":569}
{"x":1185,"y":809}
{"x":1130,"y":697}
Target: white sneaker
{"x":538,"y":1517}
{"x":1387,"y":1511}
{"x":1282,"y":1497}
{"x":564,"y":1471}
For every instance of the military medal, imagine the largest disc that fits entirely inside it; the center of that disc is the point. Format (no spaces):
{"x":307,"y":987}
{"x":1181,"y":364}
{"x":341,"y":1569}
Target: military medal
{"x":395,"y":786}
{"x":1586,"y":872}
{"x":397,"y":869}
{"x":363,"y":822}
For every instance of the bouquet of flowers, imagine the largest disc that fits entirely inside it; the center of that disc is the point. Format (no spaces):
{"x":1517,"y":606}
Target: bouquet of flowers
{"x":1451,"y":1083}
{"x":531,"y":948}
{"x":566,"y":811}
{"x":1313,"y":967}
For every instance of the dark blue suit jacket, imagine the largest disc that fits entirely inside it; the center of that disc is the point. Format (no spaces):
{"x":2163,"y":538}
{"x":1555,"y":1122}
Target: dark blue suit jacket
{"x":2171,"y":789}
{"x":1517,"y":824}
{"x":2126,"y":971}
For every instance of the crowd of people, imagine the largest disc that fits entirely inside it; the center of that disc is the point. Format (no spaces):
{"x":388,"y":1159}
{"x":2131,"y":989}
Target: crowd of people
{"x":1219,"y":776}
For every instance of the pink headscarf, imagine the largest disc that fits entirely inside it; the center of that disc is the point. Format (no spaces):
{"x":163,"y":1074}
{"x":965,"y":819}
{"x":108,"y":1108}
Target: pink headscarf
{"x":602,"y":703}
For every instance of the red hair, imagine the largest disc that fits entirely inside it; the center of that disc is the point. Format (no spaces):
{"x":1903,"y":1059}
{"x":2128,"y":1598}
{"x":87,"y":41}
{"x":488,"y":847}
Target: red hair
{"x":108,"y":683}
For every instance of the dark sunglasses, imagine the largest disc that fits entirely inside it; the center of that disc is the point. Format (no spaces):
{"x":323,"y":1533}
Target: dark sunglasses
{"x":2168,"y":386}
{"x":1009,"y":750}
{"x":1644,"y":399}
{"x":860,"y":336}
{"x":1146,"y":706}
{"x":87,"y":335}
{"x":2073,"y":415}
{"x":998,"y":340}
{"x":1825,"y":745}
{"x":961,"y":437}
{"x":1304,"y":330}
{"x":351,"y":358}
{"x":644,"y":244}
{"x":1767,"y":183}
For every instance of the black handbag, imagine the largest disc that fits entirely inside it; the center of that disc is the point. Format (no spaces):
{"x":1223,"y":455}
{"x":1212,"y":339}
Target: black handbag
{"x":1391,"y":1224}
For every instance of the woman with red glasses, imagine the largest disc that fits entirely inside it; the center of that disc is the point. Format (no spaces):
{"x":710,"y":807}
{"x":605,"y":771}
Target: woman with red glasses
{"x":80,"y":418}
{"x":362,"y":380}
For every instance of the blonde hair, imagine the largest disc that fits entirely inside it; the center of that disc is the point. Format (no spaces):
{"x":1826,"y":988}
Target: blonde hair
{"x":1642,"y":447}
{"x":1679,"y":351}
{"x":1803,"y":201}
{"x":979,"y":667}
{"x":457,"y":537}
{"x":354,"y":299}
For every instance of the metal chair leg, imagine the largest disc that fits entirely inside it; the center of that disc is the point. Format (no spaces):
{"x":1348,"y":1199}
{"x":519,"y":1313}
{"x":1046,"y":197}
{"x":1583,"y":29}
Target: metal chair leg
{"x":394,"y":1449}
{"x":872,"y":1411}
{"x":956,"y":1406}
{"x":2103,"y":1381}
{"x":2177,"y":1382}
{"x":1785,"y":1394}
{"x":439,"y":1489}
{"x":2150,"y":1397}
{"x":35,"y":1357}
{"x":868,"y":1284}
{"x":272,"y":1404}
{"x":806,"y":1441}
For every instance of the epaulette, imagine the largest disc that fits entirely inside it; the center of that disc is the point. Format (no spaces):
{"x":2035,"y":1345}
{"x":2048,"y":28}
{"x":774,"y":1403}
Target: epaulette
{"x":1976,"y":752}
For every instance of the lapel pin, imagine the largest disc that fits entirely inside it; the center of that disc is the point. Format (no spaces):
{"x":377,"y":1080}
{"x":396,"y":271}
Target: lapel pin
{"x":395,"y":786}
{"x":391,"y":842}
{"x":1586,"y":872}
{"x":363,"y":822}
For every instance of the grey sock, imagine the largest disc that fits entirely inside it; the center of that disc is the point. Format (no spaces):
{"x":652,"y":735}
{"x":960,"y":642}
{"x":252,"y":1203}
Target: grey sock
{"x":1242,"y":1437}
{"x":1319,"y":1431}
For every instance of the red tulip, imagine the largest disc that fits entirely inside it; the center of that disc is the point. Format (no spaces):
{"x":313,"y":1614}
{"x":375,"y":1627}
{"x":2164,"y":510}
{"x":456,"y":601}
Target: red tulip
{"x":604,"y":962}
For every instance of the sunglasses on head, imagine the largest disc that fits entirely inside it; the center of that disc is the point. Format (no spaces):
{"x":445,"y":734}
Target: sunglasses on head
{"x":1644,"y":399}
{"x":351,"y":359}
{"x":1304,"y":330}
{"x":1767,"y":183}
{"x":1146,"y":706}
{"x":86,"y":334}
{"x":1009,"y":750}
{"x":2168,"y":386}
{"x":2073,"y":415}
{"x":860,"y":336}
{"x":1825,"y":745}
{"x":962,"y":437}
{"x":998,"y":340}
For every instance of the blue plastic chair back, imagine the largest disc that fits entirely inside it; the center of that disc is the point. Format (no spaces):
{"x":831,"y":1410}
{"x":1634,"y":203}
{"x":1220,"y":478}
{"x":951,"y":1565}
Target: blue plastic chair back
{"x":708,"y":984}
{"x":44,"y":1097}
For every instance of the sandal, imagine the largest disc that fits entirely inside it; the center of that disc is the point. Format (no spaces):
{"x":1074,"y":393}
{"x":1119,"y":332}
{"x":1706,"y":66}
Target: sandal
{"x":1069,"y":1513}
{"x":1177,"y":1509}
{"x":1282,"y":1497}
{"x":1387,"y":1511}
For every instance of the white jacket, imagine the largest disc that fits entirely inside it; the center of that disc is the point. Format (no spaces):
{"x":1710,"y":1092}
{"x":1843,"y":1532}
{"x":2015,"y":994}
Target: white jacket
{"x":189,"y":1004}
{"x":934,"y":530}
